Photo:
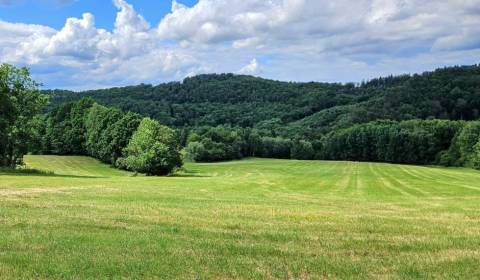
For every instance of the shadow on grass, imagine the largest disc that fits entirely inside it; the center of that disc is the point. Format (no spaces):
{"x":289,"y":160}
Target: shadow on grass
{"x":188,"y":174}
{"x":35,"y":172}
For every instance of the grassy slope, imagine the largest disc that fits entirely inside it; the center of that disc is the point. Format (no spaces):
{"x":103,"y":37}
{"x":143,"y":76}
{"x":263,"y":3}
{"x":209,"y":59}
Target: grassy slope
{"x":247,"y":219}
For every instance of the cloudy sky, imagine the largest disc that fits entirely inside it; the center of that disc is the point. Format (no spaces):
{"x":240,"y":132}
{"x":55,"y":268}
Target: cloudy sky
{"x":82,"y":44}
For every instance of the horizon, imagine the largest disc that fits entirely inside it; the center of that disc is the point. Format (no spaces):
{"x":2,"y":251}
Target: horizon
{"x":275,"y":80}
{"x":84,"y":45}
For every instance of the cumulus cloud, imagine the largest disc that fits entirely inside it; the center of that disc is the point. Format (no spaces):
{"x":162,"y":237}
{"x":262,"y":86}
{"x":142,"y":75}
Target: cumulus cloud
{"x":83,"y":54}
{"x":322,"y":25}
{"x":339,"y":40}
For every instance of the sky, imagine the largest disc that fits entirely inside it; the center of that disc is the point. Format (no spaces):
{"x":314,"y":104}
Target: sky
{"x":89,"y":44}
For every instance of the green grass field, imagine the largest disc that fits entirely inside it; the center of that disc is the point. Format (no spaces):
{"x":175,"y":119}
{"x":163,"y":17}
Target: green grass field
{"x":251,"y":219}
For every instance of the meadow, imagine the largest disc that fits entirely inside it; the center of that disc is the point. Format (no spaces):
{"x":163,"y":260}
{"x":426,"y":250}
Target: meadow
{"x":249,"y":219}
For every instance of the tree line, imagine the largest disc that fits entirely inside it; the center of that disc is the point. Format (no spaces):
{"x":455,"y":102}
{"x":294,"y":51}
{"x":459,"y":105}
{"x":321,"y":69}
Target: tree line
{"x":124,"y":140}
{"x":374,"y":121}
{"x":444,"y":142}
{"x":309,"y":110}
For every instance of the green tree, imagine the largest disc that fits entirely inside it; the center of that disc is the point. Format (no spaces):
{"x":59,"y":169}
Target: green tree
{"x":276,"y":147}
{"x":196,"y":151}
{"x":217,"y":144}
{"x":75,"y":135}
{"x":476,"y":155}
{"x":466,"y":141}
{"x":302,"y":150}
{"x":121,"y":133}
{"x":99,"y":125}
{"x":154,"y":149}
{"x":20,"y":102}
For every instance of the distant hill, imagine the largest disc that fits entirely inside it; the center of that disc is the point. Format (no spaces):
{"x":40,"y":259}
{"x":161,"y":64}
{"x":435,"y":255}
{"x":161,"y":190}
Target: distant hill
{"x":310,"y":109}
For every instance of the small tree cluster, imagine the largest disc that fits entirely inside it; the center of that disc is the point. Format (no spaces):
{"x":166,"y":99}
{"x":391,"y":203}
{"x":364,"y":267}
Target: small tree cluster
{"x":124,"y":140}
{"x":153,"y":149}
{"x":465,"y":149}
{"x":219,"y":143}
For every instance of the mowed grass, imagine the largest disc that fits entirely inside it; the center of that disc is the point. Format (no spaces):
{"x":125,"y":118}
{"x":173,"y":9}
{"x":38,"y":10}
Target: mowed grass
{"x":250,"y":219}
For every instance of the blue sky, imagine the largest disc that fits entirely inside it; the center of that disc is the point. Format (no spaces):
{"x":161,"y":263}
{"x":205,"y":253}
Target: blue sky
{"x":54,"y":12}
{"x":86,"y":44}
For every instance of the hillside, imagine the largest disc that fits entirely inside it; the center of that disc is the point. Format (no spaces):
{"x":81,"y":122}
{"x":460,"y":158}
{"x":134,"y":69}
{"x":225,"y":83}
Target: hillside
{"x":209,"y":100}
{"x":418,"y":119}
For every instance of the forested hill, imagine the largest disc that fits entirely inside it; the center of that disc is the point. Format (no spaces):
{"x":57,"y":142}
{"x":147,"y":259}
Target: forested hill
{"x":309,"y":109}
{"x":220,"y":99}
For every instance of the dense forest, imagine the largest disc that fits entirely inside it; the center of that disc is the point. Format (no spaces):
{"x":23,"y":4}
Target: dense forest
{"x":427,"y":118}
{"x":296,"y":109}
{"x":421,"y":118}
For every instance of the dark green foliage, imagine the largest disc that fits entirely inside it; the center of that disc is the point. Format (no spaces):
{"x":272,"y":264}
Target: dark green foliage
{"x":65,"y":129}
{"x":412,"y":141}
{"x":407,"y":119}
{"x":302,"y":149}
{"x":38,"y":136}
{"x":292,"y":109}
{"x":153,"y":149}
{"x":212,"y":100}
{"x":20,"y":102}
{"x":475,"y":159}
{"x":86,"y":128}
{"x":467,"y":140}
{"x":76,"y":134}
{"x":121,"y":133}
{"x":252,"y":142}
{"x":215,"y":144}
{"x":100,"y":123}
{"x":276,"y":147}
{"x":463,"y":151}
{"x":108,"y":132}
{"x":196,"y":151}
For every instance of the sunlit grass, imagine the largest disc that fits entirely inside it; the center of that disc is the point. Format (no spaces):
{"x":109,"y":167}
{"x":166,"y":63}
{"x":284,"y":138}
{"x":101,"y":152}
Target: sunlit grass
{"x":255,"y":219}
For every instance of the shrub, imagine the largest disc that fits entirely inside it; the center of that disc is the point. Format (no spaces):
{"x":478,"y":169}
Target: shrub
{"x":466,"y":141}
{"x":215,"y":144}
{"x":153,"y":149}
{"x":196,"y":151}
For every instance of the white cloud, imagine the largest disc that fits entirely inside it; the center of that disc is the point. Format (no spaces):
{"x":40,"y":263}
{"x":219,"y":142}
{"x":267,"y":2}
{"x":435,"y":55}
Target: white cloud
{"x":250,"y":69}
{"x":322,"y":25}
{"x":83,"y":54}
{"x":78,"y":38}
{"x":296,"y":40}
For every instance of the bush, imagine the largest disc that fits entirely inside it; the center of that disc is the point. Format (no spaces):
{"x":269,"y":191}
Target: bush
{"x":196,"y":151}
{"x":466,"y":141}
{"x":215,"y":144}
{"x":154,"y":149}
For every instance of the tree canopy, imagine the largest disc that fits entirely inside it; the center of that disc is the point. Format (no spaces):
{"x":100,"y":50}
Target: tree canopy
{"x":427,"y":118}
{"x":153,"y":149}
{"x":20,"y":102}
{"x":124,"y":140}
